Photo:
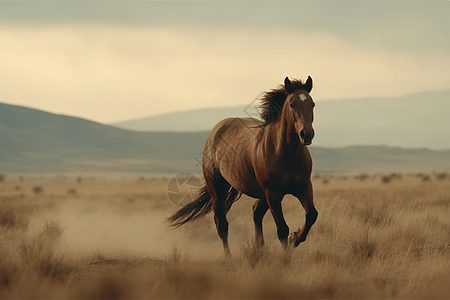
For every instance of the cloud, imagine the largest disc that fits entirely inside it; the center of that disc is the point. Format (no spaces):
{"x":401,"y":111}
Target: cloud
{"x":111,"y":73}
{"x":407,"y":25}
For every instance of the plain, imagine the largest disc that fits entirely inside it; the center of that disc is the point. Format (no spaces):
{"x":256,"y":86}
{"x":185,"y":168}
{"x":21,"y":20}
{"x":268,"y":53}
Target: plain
{"x":376,"y":237}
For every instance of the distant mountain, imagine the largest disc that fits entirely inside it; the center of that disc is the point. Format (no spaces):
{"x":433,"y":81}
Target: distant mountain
{"x":183,"y":121}
{"x":418,"y":120}
{"x":35,"y":141}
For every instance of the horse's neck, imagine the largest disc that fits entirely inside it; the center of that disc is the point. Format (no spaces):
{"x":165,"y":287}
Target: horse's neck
{"x":284,"y":138}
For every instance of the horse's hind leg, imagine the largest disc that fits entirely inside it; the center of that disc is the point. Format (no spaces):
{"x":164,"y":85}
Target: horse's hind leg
{"x":259,"y":210}
{"x":219,"y":190}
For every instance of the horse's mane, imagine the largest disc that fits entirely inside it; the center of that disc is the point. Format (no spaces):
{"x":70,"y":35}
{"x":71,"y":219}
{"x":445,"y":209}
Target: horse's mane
{"x":272,"y":102}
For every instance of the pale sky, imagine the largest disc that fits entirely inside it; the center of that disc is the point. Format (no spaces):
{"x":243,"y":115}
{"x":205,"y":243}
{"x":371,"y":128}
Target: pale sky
{"x":112,"y":61}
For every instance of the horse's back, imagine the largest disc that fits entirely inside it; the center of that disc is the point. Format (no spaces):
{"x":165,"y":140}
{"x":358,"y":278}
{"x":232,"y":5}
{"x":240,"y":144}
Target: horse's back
{"x":236,"y":122}
{"x":233,"y":130}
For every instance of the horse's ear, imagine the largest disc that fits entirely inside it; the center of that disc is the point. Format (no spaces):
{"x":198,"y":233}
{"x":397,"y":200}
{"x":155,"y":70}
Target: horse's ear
{"x":288,"y":85}
{"x":308,"y":84}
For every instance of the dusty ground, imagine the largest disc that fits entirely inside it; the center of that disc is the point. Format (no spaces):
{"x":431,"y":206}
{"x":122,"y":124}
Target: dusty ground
{"x":60,"y":238}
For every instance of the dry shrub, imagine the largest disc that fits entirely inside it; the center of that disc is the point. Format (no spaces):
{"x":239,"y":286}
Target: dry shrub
{"x":38,"y":189}
{"x":79,"y":179}
{"x":396,"y":176}
{"x":426,"y":178}
{"x":11,"y":219}
{"x":441,"y":176}
{"x":268,"y":256}
{"x":98,"y":256}
{"x":390,"y":177}
{"x":9,"y":268}
{"x":176,"y":256}
{"x":2,"y":177}
{"x":32,"y":258}
{"x":52,"y":230}
{"x":72,"y":191}
{"x":40,"y":253}
{"x":386,"y":179}
{"x":363,"y":248}
{"x":362,"y":177}
{"x":254,"y":255}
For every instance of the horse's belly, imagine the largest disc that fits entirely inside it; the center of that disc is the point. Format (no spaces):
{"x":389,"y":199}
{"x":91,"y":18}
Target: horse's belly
{"x":254,"y":193}
{"x":243,"y":180}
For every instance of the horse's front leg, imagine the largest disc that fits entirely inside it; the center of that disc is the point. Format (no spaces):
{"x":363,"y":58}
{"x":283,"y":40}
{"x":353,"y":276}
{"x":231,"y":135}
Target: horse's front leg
{"x":274,"y":201}
{"x":259,"y":210}
{"x":305,"y":195}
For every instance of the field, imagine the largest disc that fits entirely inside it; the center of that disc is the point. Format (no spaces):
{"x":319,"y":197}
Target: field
{"x":376,"y":237}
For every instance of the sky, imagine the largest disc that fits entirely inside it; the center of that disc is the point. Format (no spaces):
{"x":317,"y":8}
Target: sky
{"x":111,"y":61}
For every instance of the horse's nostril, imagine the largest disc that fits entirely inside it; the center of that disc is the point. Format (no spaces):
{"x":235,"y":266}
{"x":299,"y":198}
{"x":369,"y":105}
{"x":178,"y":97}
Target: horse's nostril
{"x":303,"y":134}
{"x":306,"y":135}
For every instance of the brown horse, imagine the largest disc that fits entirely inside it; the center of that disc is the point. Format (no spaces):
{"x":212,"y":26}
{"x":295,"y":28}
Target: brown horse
{"x":264,"y":160}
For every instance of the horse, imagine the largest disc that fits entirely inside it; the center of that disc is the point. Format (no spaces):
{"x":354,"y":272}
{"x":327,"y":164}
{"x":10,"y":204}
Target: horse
{"x":265,"y":160}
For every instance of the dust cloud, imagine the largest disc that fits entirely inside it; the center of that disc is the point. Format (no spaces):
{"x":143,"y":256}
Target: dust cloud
{"x":109,"y":231}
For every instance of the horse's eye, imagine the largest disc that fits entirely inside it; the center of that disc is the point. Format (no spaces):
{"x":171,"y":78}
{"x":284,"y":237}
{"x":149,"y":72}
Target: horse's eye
{"x":291,"y":105}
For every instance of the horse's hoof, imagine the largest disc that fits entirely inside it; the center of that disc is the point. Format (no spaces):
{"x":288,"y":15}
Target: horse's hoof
{"x":292,"y":239}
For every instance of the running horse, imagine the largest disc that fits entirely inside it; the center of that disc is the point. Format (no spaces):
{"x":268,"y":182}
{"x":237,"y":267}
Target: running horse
{"x":262,"y":159}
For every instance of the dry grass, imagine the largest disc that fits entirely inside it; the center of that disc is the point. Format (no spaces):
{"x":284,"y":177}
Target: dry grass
{"x":375,"y":238}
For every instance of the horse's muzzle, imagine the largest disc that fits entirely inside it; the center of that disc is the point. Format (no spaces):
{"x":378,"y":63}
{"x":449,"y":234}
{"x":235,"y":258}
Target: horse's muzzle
{"x":306,"y":136}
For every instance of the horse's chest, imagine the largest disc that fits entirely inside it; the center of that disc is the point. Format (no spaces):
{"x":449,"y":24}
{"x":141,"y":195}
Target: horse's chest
{"x":288,"y":180}
{"x":288,"y":175}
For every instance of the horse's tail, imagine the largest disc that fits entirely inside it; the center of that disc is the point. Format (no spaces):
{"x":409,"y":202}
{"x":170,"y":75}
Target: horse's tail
{"x":200,"y":207}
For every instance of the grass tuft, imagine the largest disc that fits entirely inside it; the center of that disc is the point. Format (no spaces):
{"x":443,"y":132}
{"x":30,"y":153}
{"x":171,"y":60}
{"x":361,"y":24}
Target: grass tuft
{"x":11,"y":219}
{"x":363,"y":248}
{"x":176,"y":256}
{"x":254,"y":255}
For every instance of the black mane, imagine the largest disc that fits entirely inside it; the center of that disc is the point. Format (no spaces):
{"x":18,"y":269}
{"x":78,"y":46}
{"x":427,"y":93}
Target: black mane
{"x":272,"y":102}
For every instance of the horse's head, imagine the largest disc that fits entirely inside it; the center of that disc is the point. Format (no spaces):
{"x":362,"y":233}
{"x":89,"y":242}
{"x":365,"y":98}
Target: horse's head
{"x":300,"y":105}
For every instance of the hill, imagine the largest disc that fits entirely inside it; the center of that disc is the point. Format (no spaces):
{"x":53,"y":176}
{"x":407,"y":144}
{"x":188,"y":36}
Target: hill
{"x":412,"y":121}
{"x":36,"y":141}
